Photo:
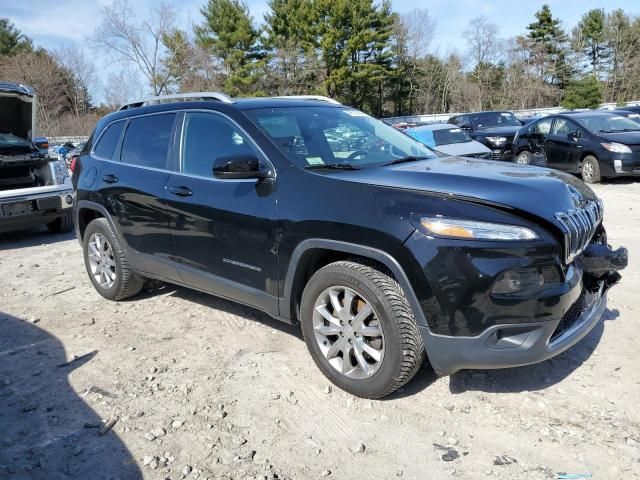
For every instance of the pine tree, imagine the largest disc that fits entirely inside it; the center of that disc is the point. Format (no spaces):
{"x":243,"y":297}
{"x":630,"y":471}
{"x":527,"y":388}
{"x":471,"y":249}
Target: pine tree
{"x":549,"y":47}
{"x":12,"y":40}
{"x":583,"y":93}
{"x":228,"y":34}
{"x":589,"y":38}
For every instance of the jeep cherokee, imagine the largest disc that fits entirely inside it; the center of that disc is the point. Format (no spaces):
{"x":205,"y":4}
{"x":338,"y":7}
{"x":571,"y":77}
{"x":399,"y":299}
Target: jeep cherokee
{"x":383,"y":254}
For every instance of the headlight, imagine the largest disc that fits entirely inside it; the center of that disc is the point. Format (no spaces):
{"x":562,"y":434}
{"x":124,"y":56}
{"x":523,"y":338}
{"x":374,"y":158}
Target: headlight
{"x":455,"y":228}
{"x":616,"y":147}
{"x":497,"y":139}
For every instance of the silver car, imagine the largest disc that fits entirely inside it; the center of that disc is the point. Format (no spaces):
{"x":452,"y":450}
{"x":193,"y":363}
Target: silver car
{"x":448,"y":139}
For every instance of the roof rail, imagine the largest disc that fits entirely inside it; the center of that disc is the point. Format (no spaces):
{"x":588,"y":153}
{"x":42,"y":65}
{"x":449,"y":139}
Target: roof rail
{"x":221,"y":97}
{"x":318,"y":98}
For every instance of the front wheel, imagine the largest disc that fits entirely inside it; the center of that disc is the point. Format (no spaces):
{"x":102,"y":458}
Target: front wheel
{"x":524,"y":158}
{"x":360,"y":329}
{"x":590,"y":170}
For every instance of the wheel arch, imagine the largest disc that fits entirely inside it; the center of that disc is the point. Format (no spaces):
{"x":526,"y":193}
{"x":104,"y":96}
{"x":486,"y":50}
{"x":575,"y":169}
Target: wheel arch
{"x":85,"y":212}
{"x":312,"y":254}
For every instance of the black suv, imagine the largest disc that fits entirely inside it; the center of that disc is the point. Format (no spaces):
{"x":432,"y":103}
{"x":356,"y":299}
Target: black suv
{"x":383,"y":254}
{"x":493,"y":129}
{"x":594,"y":144}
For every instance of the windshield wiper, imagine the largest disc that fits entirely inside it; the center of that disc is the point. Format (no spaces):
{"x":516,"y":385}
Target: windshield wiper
{"x":333,"y":166}
{"x":409,"y":158}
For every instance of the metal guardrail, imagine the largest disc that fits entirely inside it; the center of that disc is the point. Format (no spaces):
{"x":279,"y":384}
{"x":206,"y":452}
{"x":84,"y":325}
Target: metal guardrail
{"x":73,"y":139}
{"x":443,"y":117}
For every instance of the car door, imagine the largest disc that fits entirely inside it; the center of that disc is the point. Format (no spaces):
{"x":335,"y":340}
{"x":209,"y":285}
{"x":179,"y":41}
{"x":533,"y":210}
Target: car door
{"x":223,"y":230}
{"x":563,"y":144}
{"x":538,"y":134}
{"x":133,"y":190}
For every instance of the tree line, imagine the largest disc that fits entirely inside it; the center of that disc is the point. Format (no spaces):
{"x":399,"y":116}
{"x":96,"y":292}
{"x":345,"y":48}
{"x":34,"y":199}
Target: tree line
{"x":360,"y":52}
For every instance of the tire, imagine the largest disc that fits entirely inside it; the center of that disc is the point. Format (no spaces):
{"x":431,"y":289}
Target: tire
{"x":590,"y":170}
{"x":62,"y":224}
{"x":524,"y":158}
{"x":122,"y":282}
{"x":400,"y":351}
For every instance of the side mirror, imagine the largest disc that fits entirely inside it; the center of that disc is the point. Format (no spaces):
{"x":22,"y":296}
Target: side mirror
{"x":239,"y":167}
{"x":573,"y":136}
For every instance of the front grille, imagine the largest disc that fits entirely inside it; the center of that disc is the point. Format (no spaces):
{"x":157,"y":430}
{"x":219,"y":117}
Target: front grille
{"x":579,"y":226}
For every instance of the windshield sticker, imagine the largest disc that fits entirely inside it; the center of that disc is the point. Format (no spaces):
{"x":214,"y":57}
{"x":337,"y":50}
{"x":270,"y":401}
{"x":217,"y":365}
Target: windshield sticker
{"x":314,"y":161}
{"x":455,"y":130}
{"x":355,"y":113}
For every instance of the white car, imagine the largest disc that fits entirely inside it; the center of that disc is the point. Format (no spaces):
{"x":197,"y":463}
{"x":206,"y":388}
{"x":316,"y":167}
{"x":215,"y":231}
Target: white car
{"x":448,"y":139}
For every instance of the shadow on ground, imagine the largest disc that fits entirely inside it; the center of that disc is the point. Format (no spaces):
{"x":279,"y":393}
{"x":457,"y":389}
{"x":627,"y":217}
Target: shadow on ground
{"x":532,"y":377}
{"x":32,"y":238}
{"x":46,"y":430}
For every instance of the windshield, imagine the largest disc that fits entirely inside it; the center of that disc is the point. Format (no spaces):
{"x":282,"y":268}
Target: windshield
{"x":312,"y":137}
{"x":12,"y":144}
{"x":494,"y":119}
{"x":608,"y":123}
{"x":10,"y":140}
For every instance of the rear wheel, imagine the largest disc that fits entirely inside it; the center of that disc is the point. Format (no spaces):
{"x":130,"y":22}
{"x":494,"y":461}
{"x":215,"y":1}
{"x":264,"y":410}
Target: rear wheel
{"x":524,"y":158}
{"x":62,"y":224}
{"x":107,"y":264}
{"x":590,"y":170}
{"x":360,"y":330}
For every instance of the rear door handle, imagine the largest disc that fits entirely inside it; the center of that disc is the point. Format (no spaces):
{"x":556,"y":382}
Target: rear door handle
{"x":181,"y":191}
{"x":110,"y":178}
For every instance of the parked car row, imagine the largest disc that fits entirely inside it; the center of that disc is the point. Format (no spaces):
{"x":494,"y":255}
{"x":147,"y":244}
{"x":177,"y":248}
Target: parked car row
{"x":594,"y":144}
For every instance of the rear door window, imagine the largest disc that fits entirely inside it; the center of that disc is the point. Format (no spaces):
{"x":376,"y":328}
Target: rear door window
{"x":146,"y":141}
{"x":109,"y":140}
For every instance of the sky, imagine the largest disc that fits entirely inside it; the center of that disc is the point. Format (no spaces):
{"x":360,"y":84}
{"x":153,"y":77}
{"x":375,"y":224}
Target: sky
{"x":54,"y":24}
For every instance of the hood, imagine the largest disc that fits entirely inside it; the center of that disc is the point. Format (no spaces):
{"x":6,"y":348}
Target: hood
{"x":16,"y":109}
{"x":508,"y":132}
{"x":466,"y":148}
{"x":627,"y":138}
{"x":538,"y":191}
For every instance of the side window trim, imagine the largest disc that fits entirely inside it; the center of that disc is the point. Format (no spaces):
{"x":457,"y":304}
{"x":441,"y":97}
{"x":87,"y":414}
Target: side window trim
{"x":180,"y":129}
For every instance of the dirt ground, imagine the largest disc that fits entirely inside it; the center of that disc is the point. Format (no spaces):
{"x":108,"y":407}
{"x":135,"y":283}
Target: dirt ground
{"x":203,"y":388}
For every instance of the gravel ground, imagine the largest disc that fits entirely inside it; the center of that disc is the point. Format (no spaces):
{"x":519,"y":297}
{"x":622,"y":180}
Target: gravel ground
{"x":200,"y":387}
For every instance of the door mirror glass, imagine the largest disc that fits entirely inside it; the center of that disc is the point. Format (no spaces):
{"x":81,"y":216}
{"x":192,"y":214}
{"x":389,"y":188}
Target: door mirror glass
{"x":239,"y":167}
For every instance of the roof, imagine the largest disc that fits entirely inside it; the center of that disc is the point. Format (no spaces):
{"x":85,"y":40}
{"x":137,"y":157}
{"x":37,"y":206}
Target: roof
{"x":16,"y":88}
{"x":586,"y":113}
{"x":433,"y":126}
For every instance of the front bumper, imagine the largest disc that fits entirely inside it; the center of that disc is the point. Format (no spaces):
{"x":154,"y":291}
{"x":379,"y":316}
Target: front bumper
{"x":509,"y":345}
{"x":477,"y":330}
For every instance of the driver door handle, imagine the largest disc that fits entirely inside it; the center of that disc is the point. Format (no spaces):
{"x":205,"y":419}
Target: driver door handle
{"x":181,"y":191}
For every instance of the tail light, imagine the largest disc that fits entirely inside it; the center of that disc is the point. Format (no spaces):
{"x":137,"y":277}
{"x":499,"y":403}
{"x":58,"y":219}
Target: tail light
{"x":74,"y":159}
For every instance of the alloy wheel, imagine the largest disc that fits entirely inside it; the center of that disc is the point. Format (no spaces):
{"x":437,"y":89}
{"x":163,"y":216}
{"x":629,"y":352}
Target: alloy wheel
{"x":101,"y":260}
{"x":348,"y":332}
{"x":587,"y":170}
{"x":522,"y":159}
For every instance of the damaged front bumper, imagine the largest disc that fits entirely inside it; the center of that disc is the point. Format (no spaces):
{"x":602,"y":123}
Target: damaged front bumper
{"x":512,"y":345}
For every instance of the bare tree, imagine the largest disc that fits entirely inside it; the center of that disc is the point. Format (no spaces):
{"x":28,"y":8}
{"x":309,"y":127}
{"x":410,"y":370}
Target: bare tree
{"x":419,"y":30}
{"x":138,"y":44}
{"x":122,"y":87}
{"x":81,"y":68}
{"x":482,"y":40}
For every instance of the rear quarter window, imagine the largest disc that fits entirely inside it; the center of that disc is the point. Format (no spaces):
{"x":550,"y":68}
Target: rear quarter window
{"x":146,"y":141}
{"x":106,"y":146}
